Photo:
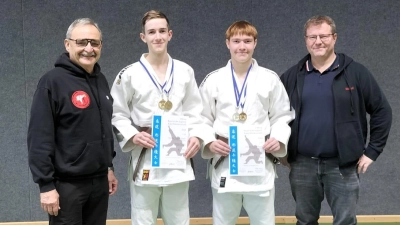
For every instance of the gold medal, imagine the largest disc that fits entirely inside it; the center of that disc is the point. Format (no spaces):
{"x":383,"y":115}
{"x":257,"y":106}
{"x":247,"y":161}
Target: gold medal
{"x":161,"y":104}
{"x":243,"y":116}
{"x":235,"y":117}
{"x":168,"y":105}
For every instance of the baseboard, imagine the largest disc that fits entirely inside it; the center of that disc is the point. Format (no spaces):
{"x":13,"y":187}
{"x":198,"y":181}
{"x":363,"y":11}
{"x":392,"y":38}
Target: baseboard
{"x":244,"y":220}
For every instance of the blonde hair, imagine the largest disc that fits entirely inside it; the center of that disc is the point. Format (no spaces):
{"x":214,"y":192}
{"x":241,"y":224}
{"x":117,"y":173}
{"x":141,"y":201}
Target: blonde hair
{"x":241,"y":28}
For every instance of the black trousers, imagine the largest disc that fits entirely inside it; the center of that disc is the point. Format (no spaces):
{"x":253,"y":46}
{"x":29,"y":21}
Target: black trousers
{"x":82,"y":202}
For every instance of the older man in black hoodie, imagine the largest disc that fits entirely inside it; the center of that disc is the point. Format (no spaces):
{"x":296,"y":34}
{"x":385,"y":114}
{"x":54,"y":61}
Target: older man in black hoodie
{"x":70,"y":139}
{"x":331,"y":95}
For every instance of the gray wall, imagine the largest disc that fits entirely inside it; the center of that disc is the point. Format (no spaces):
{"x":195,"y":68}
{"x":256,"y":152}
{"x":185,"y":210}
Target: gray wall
{"x":31,"y":39}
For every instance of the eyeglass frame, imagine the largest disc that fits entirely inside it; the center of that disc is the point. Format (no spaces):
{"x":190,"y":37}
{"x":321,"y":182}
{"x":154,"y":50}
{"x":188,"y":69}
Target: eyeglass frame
{"x":323,"y":38}
{"x":87,"y":42}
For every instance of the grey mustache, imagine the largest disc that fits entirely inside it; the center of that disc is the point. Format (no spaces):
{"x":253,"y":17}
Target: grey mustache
{"x":88,"y":54}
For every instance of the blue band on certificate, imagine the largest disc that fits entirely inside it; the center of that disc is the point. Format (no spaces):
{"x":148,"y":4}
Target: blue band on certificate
{"x":233,"y":155}
{"x":155,"y":161}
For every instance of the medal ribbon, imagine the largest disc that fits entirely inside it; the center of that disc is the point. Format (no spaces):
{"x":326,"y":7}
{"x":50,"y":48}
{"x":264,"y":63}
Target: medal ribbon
{"x":159,"y":86}
{"x":238,"y":95}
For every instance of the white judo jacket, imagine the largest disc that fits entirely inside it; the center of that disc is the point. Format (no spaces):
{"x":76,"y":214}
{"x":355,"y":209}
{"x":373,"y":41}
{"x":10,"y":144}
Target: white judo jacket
{"x":267,"y":105}
{"x":136,"y":101}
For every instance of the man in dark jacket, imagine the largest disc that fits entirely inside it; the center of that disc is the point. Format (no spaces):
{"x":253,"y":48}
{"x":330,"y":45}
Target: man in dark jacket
{"x":331,"y":95}
{"x":70,"y":139}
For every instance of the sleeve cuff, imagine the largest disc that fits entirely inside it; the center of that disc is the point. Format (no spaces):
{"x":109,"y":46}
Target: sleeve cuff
{"x":371,"y":153}
{"x":46,"y":187}
{"x":206,"y":152}
{"x":126,"y":143}
{"x":281,"y":134}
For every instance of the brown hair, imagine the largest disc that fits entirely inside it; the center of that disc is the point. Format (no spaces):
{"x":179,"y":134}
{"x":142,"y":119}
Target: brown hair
{"x":153,"y":14}
{"x":242,"y":28}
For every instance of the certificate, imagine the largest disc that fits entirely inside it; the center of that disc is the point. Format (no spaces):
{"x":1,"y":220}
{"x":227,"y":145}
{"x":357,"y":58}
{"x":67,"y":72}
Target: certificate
{"x":247,"y":157}
{"x":171,"y":136}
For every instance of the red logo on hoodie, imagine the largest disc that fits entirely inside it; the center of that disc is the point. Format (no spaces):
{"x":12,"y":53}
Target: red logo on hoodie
{"x":80,"y":99}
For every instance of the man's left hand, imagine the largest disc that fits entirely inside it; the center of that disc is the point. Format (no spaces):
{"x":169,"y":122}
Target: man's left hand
{"x":363,"y":164}
{"x":193,"y":147}
{"x":112,"y":183}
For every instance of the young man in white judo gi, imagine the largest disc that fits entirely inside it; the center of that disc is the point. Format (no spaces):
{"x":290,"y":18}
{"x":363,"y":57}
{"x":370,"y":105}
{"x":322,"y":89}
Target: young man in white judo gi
{"x":243,"y":93}
{"x":156,"y":85}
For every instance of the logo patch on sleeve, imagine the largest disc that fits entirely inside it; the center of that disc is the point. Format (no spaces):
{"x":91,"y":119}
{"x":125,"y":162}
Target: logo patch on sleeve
{"x":80,"y":99}
{"x":146,"y":174}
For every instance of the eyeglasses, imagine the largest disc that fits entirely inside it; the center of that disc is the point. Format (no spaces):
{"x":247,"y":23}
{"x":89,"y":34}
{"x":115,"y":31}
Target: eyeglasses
{"x":322,"y":37}
{"x":84,"y":42}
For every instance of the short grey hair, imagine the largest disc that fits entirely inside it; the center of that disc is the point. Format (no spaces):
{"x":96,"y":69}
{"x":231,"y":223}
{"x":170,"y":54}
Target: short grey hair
{"x":80,"y":22}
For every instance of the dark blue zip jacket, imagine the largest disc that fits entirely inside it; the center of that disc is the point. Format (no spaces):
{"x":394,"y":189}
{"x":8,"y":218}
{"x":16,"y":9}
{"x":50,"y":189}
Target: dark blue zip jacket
{"x":355,"y":93}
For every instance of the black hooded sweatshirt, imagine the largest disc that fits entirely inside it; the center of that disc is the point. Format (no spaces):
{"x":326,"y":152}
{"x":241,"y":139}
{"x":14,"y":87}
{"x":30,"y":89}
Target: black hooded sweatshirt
{"x":70,"y":132}
{"x":355,"y":93}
